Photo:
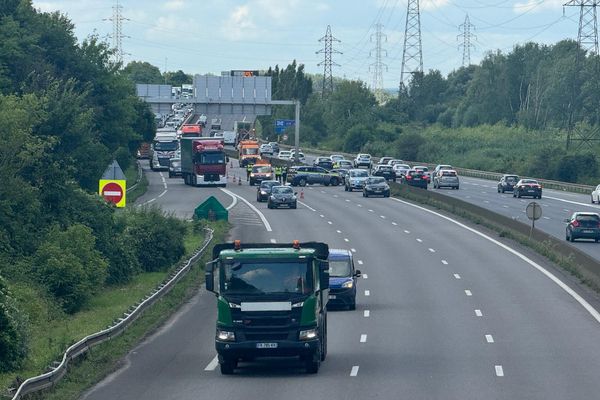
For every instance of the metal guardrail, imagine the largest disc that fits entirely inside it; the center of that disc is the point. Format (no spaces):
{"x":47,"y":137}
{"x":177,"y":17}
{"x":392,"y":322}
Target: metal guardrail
{"x":473,"y":173}
{"x":138,"y":179}
{"x":58,"y":370}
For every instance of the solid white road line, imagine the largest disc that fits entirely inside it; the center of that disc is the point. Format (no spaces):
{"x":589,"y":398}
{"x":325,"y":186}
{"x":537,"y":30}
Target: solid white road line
{"x":367,"y":292}
{"x":213,"y":364}
{"x":589,"y":308}
{"x":489,"y":338}
{"x":468,"y":293}
{"x":363,"y":338}
{"x":499,"y":370}
{"x":163,"y":193}
{"x":360,"y":262}
{"x":478,"y":313}
{"x":365,"y":276}
{"x":273,"y":241}
{"x":457,"y":276}
{"x":354,"y":371}
{"x":307,"y":206}
{"x":256,"y":210}
{"x":367,"y":313}
{"x":444,"y":262}
{"x":233,"y":203}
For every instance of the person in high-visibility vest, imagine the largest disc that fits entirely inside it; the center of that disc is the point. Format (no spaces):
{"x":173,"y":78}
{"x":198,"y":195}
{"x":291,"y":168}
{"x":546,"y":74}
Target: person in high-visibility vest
{"x":248,"y":171}
{"x":278,"y":173}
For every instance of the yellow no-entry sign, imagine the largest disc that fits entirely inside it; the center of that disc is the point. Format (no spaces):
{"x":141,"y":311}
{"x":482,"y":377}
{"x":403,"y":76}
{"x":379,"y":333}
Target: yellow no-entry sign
{"x":113,"y":191}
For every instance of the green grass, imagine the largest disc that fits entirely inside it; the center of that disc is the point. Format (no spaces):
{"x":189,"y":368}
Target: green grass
{"x":140,"y":189}
{"x":52,"y":331}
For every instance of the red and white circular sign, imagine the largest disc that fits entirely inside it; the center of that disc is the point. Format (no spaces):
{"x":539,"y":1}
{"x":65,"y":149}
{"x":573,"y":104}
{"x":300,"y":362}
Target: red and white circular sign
{"x":112,"y":192}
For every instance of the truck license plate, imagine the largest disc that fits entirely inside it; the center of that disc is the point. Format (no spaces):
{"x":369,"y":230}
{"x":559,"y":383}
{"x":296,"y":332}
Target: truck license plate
{"x":588,"y":231}
{"x":332,"y":297}
{"x":266,"y":345}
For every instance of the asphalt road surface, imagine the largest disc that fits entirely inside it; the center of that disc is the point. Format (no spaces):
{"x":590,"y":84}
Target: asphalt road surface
{"x":443,"y":311}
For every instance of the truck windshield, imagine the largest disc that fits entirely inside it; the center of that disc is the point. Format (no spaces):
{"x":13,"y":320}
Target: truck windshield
{"x":261,"y":170}
{"x":165,"y":146}
{"x":266,"y":278}
{"x":250,"y":152}
{"x":216,"y":157}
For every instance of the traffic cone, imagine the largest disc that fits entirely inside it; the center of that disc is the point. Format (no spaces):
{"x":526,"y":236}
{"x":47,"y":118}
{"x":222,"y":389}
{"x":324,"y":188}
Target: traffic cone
{"x":302,"y":194}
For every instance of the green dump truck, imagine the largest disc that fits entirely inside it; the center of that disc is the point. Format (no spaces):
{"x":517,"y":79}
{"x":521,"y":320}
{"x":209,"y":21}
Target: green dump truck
{"x":271,"y":301}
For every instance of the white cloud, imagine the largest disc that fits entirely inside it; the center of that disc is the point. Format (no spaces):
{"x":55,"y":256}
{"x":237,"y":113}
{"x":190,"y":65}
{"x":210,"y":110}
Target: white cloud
{"x":240,"y":24}
{"x":46,"y":6}
{"x":433,"y":4}
{"x":174,"y":5}
{"x":537,"y":5}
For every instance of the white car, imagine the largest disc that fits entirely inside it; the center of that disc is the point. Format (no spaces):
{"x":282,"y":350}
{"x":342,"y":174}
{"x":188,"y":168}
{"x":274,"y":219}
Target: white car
{"x":284,"y":155}
{"x":336,"y":157}
{"x":395,"y":161}
{"x":400,"y":169}
{"x":300,"y":156}
{"x":265,"y":149}
{"x":596,"y":195}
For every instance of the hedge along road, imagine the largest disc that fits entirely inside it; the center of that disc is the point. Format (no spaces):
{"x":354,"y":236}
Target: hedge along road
{"x":442,"y":313}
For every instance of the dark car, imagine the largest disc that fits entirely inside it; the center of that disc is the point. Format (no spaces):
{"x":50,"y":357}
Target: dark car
{"x":323,"y":162}
{"x":583,"y":225}
{"x":305,"y":175}
{"x":282,"y":196}
{"x":264,"y":190}
{"x":376,"y":186}
{"x":528,"y":187}
{"x":446,"y":178}
{"x":416,"y":178}
{"x":174,"y":167}
{"x":342,"y":172}
{"x":342,"y":279}
{"x":424,"y":170}
{"x":384,"y":170}
{"x":507,"y":183}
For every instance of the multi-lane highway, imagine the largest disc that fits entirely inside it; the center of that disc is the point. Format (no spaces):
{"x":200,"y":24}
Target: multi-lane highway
{"x":443,"y":311}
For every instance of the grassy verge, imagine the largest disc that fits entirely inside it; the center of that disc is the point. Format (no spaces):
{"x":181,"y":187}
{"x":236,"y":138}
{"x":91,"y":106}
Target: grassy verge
{"x":544,"y":248}
{"x":131,"y":174}
{"x":55,"y":331}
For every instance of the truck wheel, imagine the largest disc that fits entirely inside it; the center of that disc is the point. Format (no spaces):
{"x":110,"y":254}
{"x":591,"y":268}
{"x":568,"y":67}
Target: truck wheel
{"x":324,"y":337}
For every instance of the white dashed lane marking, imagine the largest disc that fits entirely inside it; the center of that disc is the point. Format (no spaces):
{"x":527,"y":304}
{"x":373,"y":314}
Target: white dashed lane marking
{"x":365,"y":276}
{"x":321,"y":215}
{"x":499,"y":370}
{"x":363,"y":338}
{"x":273,"y":241}
{"x":457,"y":276}
{"x":367,"y":292}
{"x":367,"y":313}
{"x":338,"y":231}
{"x":213,"y":364}
{"x":393,"y":223}
{"x":444,"y":262}
{"x":419,"y":240}
{"x":478,"y":313}
{"x":431,"y":250}
{"x":489,"y":338}
{"x":371,"y":211}
{"x":353,"y":250}
{"x":360,"y":262}
{"x":354,"y":371}
{"x":346,"y":240}
{"x":468,"y":293}
{"x":405,"y":231}
{"x":382,"y":216}
{"x":330,"y":223}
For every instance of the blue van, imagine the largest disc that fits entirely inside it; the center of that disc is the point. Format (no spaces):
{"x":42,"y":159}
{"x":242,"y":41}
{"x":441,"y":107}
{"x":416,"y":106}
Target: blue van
{"x":342,"y":279}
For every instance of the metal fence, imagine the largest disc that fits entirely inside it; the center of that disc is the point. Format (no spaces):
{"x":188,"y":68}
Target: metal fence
{"x":59,"y":369}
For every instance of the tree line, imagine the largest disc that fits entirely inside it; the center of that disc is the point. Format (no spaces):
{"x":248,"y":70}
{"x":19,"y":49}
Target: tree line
{"x":67,"y":111}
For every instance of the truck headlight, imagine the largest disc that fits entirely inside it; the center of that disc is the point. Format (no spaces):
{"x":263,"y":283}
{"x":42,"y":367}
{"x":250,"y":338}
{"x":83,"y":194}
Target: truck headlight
{"x":299,"y":304}
{"x":233,"y":305}
{"x":348,"y":284}
{"x":225,"y":336}
{"x":308,"y":334}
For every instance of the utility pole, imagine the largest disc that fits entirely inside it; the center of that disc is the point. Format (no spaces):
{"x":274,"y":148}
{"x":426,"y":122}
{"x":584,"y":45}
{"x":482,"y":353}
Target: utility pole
{"x":327,"y":62}
{"x":412,"y":53}
{"x":587,"y":40}
{"x":117,"y":35}
{"x":378,"y":65}
{"x":466,"y":35}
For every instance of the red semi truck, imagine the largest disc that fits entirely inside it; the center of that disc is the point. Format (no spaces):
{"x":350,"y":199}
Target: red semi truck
{"x":203,"y":161}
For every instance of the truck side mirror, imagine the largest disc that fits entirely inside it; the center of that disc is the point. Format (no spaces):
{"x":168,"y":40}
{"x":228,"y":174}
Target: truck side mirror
{"x":209,"y":278}
{"x":324,"y":274}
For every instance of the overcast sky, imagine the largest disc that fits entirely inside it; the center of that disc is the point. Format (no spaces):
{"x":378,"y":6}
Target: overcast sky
{"x":201,"y":36}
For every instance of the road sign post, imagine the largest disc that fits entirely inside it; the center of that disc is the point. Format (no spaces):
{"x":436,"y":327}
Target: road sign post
{"x":534,"y":212}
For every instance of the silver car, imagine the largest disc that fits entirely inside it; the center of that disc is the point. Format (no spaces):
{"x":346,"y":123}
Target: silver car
{"x":446,"y":178}
{"x":355,"y":179}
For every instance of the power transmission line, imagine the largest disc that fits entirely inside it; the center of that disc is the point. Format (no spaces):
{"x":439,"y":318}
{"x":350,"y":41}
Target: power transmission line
{"x":117,"y":35}
{"x":466,"y":35}
{"x":327,"y":63}
{"x":378,"y":65}
{"x":412,"y":53}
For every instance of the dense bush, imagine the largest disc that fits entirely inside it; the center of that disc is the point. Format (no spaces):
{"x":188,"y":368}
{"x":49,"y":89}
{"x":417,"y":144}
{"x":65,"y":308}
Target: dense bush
{"x":156,"y":238}
{"x":69,"y":267}
{"x":13,"y":331}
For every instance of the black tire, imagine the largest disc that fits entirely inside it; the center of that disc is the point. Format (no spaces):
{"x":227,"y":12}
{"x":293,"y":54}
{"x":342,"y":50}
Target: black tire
{"x":345,"y":188}
{"x":324,"y":337}
{"x":519,"y":195}
{"x":294,"y":206}
{"x":352,"y":305}
{"x":503,"y":190}
{"x":269,"y":205}
{"x":335,"y":181}
{"x":302,"y":182}
{"x":596,"y":240}
{"x":170,"y":174}
{"x":313,"y":363}
{"x":326,"y":183}
{"x":457,"y":187}
{"x":567,"y":236}
{"x":571,"y":237}
{"x":227,"y":367}
{"x":514,"y":194}
{"x":194,"y":180}
{"x":592,"y":198}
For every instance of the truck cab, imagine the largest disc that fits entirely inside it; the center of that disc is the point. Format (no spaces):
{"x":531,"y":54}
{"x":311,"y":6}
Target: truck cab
{"x":271,"y":301}
{"x":203,"y":161}
{"x":163,"y":148}
{"x":249,"y":152}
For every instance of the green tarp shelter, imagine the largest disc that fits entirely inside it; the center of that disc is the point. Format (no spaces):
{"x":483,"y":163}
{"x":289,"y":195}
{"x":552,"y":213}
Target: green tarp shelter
{"x":211,"y":209}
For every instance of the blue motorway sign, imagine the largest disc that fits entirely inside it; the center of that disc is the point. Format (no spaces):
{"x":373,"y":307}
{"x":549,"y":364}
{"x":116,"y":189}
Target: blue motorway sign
{"x":282,"y":124}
